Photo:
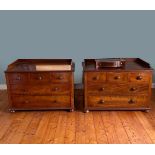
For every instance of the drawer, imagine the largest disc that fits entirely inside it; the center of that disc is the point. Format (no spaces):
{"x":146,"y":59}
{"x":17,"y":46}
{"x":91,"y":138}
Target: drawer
{"x":60,"y":77}
{"x":30,"y":89}
{"x":39,"y":78}
{"x":99,"y":88}
{"x":17,"y":78}
{"x":117,"y":77}
{"x":139,"y":89}
{"x":118,"y":89}
{"x":118,"y":101}
{"x":59,"y":89}
{"x":96,"y":77}
{"x":54,"y":89}
{"x":139,"y":77}
{"x":22,"y":101}
{"x":19,"y":89}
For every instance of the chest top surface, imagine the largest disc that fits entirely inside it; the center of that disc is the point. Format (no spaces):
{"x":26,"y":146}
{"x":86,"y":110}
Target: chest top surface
{"x":40,"y":65}
{"x":131,"y":64}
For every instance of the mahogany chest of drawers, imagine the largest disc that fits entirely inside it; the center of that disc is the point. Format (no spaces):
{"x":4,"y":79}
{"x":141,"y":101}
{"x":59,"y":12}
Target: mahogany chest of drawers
{"x":127,"y":88}
{"x":35,"y":84}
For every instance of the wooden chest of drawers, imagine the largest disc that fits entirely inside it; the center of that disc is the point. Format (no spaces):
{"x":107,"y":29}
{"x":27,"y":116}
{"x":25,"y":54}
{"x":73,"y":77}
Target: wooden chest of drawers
{"x":35,"y":84}
{"x":127,"y":88}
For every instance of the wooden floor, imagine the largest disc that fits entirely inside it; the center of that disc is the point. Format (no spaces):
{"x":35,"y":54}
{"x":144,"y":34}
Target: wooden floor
{"x":76,"y":127}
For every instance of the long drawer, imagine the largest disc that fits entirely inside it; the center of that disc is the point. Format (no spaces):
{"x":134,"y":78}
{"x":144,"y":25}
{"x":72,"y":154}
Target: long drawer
{"x":50,"y":89}
{"x":39,"y":77}
{"x":117,"y":101}
{"x":24,"y":101}
{"x":118,"y":89}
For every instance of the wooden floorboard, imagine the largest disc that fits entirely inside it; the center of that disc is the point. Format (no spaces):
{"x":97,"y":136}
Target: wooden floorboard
{"x":80,"y":131}
{"x":135,"y":131}
{"x":100,"y":131}
{"x":51,"y":127}
{"x":109,"y":126}
{"x":62,"y":127}
{"x":90,"y":129}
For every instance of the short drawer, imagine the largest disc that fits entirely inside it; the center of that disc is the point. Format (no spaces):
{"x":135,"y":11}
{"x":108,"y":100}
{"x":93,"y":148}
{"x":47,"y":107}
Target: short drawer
{"x":17,"y":78}
{"x":118,"y":89}
{"x":139,"y":77}
{"x":117,"y":101}
{"x":39,"y":78}
{"x":61,"y":77}
{"x":22,"y":101}
{"x":117,"y":77}
{"x":60,"y":89}
{"x":94,"y":77}
{"x":19,"y":89}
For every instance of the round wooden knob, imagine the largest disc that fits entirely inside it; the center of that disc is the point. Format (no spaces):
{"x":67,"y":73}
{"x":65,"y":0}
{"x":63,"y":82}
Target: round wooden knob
{"x":101,"y":89}
{"x":117,"y":77}
{"x":55,"y":89}
{"x":54,"y":101}
{"x":139,"y":77}
{"x":24,"y":90}
{"x":95,"y":78}
{"x":18,"y":78}
{"x":40,"y":78}
{"x":131,"y":101}
{"x":101,"y":101}
{"x":132,"y":89}
{"x":60,"y":77}
{"x":26,"y":101}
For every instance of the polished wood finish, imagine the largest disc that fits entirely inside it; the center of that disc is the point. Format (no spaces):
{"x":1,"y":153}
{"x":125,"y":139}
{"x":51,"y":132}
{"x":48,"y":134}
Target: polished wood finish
{"x":101,"y":127}
{"x":32,"y":89}
{"x":110,"y":62}
{"x":127,"y":88}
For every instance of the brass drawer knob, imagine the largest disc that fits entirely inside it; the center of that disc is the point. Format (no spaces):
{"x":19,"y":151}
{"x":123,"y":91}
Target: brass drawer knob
{"x":139,"y":78}
{"x":131,"y":101}
{"x":132,"y":89}
{"x":117,"y":77}
{"x":101,"y":102}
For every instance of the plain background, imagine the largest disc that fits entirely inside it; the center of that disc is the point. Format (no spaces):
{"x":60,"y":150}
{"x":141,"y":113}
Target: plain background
{"x":76,"y":35}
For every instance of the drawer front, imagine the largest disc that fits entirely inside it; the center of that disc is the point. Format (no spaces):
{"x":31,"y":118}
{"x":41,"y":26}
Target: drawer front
{"x":117,"y":101}
{"x":30,"y":89}
{"x":22,"y":101}
{"x":139,"y":77}
{"x":117,"y":77}
{"x":17,"y":78}
{"x":39,"y":78}
{"x":54,"y":89}
{"x":60,"y":77}
{"x":60,"y":89}
{"x":19,"y":89}
{"x":139,"y":89}
{"x":96,"y":77}
{"x":118,"y":89}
